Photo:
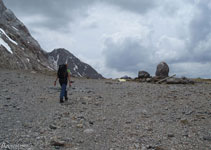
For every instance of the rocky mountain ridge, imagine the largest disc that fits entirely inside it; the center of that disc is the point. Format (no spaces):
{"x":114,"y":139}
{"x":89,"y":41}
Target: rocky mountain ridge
{"x":19,"y":50}
{"x":77,"y":67}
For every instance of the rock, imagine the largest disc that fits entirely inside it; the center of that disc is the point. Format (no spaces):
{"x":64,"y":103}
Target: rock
{"x":179,"y":81}
{"x":56,"y":142}
{"x":207,"y":138}
{"x":91,"y":122}
{"x":128,"y":122}
{"x":84,"y":103}
{"x":170,"y":135}
{"x":53,"y":127}
{"x":33,"y":72}
{"x":8,"y":98}
{"x":88,"y":131}
{"x":184,"y":121}
{"x":79,"y":125}
{"x":143,"y":74}
{"x":5,"y":90}
{"x":162,"y":70}
{"x":148,"y":79}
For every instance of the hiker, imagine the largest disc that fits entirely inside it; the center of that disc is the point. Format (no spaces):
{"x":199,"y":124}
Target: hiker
{"x":63,"y":75}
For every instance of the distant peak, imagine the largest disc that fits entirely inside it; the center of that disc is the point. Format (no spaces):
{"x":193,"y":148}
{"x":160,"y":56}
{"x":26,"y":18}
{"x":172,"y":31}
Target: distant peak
{"x":2,"y":6}
{"x":61,"y":51}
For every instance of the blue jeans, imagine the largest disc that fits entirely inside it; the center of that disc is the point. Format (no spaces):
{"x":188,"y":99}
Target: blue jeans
{"x":63,"y":92}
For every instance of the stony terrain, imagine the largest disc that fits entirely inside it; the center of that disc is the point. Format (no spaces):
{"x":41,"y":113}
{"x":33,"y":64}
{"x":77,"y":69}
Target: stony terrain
{"x":102,"y":114}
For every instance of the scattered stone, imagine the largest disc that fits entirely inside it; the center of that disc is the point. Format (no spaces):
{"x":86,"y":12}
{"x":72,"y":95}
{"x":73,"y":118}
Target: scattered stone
{"x":90,"y":92}
{"x":170,"y":135}
{"x":149,"y":129}
{"x":33,"y":72}
{"x":179,"y":81}
{"x":88,"y":131}
{"x":128,"y":122}
{"x":143,"y":74}
{"x":148,"y":79}
{"x":84,"y":103}
{"x":8,"y":98}
{"x":53,"y":127}
{"x":56,"y":142}
{"x":99,"y":97}
{"x":91,"y":122}
{"x":184,"y":121}
{"x":5,"y":90}
{"x":207,"y":138}
{"x":79,"y":125}
{"x":162,"y":70}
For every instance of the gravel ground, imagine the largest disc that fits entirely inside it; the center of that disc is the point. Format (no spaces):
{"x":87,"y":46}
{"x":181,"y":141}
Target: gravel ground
{"x":102,"y":115}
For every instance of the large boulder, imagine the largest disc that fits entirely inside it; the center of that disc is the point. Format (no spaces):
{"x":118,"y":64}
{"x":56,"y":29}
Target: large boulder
{"x":162,"y":70}
{"x":143,"y":74}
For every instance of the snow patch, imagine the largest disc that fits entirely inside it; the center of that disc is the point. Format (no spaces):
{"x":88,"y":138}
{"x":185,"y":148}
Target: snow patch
{"x":75,"y":67}
{"x":54,"y":62}
{"x":15,"y":28}
{"x":79,"y":74}
{"x":50,"y":68}
{"x":28,"y":59}
{"x":8,"y":37}
{"x":85,"y":67}
{"x":3,"y":43}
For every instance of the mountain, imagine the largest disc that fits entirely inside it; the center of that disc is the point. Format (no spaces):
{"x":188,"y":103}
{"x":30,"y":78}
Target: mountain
{"x":77,"y":68}
{"x":18,"y":49}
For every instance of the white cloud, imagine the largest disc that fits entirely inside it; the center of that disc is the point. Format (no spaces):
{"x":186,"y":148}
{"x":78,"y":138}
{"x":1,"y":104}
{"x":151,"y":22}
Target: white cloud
{"x":191,"y":69}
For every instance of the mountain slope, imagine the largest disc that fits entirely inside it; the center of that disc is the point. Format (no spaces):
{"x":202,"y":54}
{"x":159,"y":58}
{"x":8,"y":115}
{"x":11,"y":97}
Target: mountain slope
{"x":18,"y":49}
{"x":77,"y":68}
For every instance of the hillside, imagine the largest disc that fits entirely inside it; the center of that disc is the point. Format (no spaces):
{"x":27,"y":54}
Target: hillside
{"x":103,"y":114}
{"x":18,"y":49}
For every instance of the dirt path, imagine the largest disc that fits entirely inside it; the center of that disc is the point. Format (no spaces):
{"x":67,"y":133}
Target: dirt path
{"x":102,"y":114}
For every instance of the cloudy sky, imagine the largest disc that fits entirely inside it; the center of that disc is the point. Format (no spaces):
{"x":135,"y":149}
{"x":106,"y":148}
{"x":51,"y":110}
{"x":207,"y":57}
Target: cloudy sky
{"x":122,"y":37}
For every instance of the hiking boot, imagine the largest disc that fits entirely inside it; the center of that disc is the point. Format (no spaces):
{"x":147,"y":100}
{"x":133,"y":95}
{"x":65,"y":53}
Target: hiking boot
{"x":61,"y":101}
{"x":66,"y":98}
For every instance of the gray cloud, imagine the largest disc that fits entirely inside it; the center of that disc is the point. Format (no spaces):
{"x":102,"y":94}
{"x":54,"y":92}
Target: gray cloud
{"x":126,"y":56}
{"x":137,"y":6}
{"x":200,"y":33}
{"x":59,"y":13}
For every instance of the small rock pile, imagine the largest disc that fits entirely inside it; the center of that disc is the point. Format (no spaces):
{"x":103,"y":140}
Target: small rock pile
{"x":162,"y":76}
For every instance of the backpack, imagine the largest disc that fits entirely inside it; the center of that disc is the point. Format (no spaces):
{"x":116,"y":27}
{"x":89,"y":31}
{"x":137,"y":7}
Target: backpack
{"x":62,"y":71}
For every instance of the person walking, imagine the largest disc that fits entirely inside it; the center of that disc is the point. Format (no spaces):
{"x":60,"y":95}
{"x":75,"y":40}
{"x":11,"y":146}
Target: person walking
{"x":63,"y":75}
